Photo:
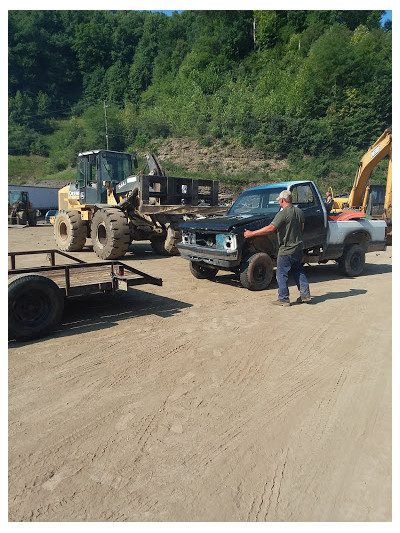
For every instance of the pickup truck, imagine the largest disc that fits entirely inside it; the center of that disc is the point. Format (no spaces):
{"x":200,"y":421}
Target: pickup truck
{"x":217,"y":243}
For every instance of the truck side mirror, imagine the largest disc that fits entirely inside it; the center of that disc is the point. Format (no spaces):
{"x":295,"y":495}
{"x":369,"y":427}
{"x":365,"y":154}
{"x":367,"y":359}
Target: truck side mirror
{"x":134,"y":161}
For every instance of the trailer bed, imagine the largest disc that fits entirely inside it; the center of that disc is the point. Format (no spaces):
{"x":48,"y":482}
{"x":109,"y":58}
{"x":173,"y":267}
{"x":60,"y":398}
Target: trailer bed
{"x":80,"y":278}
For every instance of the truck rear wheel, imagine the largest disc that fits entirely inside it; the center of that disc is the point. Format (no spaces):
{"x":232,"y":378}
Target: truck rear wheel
{"x":110,"y":233}
{"x":70,"y":231}
{"x":256,"y":271}
{"x":352,"y":261}
{"x":35,"y":306}
{"x":202,"y":271}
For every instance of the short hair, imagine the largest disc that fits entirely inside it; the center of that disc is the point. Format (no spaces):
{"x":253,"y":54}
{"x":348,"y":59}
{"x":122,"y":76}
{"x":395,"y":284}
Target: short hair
{"x":287,"y":196}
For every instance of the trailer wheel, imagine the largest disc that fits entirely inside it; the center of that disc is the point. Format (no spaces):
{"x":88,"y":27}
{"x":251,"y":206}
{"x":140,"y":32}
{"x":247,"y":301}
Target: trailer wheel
{"x":202,"y":271}
{"x":110,"y":233}
{"x":256,"y":271}
{"x":352,"y":261}
{"x":70,"y":231}
{"x":35,"y":306}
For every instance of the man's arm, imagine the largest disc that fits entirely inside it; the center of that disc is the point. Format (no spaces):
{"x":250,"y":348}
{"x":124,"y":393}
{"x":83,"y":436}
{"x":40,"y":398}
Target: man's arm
{"x":258,"y":232}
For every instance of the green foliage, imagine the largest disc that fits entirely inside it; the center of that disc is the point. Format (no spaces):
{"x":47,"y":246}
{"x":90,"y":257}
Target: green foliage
{"x":23,"y":169}
{"x":309,"y":82}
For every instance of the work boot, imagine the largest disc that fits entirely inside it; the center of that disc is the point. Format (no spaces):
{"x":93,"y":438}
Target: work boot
{"x":303,"y":299}
{"x":282,"y":303}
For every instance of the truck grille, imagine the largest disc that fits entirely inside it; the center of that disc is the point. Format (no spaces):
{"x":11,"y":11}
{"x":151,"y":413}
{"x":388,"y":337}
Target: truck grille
{"x":205,"y":239}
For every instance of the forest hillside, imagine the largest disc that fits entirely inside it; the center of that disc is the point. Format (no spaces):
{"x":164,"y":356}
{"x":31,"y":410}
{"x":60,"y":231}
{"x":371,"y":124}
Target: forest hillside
{"x":239,"y":96}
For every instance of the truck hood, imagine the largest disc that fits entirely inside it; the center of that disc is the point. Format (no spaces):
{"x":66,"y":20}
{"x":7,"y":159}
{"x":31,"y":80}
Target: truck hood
{"x":228,"y":224}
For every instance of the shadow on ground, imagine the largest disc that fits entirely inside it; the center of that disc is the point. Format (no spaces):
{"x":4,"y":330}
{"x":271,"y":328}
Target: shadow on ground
{"x":136,"y":250}
{"x":314,"y":273}
{"x":98,"y":312}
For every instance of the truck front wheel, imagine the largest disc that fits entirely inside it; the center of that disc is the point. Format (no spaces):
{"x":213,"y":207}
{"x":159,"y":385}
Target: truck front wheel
{"x":110,"y":233}
{"x":202,"y":271}
{"x":35,"y":306}
{"x":256,"y":271}
{"x":70,"y":231}
{"x":352,"y":261}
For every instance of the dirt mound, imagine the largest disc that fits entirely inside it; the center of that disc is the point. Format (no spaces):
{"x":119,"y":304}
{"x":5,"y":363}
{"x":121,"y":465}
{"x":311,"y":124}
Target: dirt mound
{"x":220,"y":157}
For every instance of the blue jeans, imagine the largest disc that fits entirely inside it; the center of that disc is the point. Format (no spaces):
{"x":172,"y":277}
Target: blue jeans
{"x":286,"y":264}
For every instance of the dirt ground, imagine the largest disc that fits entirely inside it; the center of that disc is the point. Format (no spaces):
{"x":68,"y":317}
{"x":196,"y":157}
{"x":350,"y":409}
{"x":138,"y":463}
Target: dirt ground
{"x":200,"y":401}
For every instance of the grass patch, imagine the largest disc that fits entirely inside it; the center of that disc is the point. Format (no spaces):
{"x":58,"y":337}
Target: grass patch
{"x":23,"y":169}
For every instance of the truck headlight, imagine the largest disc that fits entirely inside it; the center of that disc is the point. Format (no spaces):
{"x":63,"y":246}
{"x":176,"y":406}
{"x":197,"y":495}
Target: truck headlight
{"x":227,"y":242}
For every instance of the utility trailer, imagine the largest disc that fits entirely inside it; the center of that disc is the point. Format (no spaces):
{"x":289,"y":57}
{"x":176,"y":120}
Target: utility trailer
{"x":36,"y":295}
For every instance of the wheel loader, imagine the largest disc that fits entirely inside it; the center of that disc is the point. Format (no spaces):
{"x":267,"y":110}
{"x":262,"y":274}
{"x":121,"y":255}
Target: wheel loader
{"x":20,"y":209}
{"x":113,"y":206}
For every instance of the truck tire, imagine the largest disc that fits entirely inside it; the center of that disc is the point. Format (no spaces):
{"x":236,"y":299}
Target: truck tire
{"x":256,"y":271}
{"x":352,"y":261}
{"x":202,"y":271}
{"x":35,"y":306}
{"x":110,"y":233}
{"x":70,"y":231}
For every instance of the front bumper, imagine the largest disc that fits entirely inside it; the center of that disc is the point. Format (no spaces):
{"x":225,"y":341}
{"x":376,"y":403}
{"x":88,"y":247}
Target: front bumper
{"x":220,"y":258}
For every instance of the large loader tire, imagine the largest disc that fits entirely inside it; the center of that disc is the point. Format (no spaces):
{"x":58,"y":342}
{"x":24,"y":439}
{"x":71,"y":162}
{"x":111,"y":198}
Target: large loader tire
{"x":162,"y":245}
{"x":256,"y":271}
{"x":32,"y":220}
{"x":352,"y":261}
{"x":21,"y":218}
{"x":35,"y":306}
{"x":110,"y":233}
{"x":70,"y":231}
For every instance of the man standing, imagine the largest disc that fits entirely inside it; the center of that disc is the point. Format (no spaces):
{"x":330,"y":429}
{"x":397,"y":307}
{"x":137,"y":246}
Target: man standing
{"x":289,"y":224}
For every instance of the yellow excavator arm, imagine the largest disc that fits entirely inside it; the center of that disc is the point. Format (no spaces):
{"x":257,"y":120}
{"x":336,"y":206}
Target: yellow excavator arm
{"x":380,"y":149}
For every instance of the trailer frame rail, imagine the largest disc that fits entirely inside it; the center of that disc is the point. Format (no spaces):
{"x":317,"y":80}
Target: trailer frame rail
{"x":117,"y":273}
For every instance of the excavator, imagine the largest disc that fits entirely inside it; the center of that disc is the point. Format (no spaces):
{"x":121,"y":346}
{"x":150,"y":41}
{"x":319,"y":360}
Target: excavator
{"x":373,"y":200}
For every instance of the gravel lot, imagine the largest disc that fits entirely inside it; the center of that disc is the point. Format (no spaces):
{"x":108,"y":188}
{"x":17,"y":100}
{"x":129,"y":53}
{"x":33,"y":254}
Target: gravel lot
{"x":200,"y":401}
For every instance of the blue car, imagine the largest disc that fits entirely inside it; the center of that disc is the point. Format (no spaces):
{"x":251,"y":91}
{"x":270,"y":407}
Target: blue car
{"x":51,"y":213}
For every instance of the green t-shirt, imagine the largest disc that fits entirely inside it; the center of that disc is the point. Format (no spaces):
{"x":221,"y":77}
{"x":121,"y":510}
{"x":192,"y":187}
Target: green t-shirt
{"x":289,"y":222}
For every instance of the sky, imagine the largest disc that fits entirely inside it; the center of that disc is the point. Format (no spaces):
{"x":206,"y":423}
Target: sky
{"x":386,"y":16}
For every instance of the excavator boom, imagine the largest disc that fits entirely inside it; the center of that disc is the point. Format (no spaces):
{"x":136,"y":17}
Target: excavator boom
{"x":380,"y":149}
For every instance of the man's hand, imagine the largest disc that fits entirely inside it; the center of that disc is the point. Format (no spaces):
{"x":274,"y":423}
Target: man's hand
{"x":247,"y":234}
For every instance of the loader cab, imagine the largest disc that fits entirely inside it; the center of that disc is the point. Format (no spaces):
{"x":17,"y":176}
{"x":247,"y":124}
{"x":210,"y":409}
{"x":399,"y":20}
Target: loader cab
{"x":18,"y":197}
{"x":99,"y":169}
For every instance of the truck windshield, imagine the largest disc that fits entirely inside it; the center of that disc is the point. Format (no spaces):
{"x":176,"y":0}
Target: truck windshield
{"x":116,"y":167}
{"x":257,"y":201}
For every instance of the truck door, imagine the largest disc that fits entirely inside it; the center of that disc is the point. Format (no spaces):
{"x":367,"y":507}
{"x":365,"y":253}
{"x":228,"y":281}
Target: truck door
{"x":305,"y":197}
